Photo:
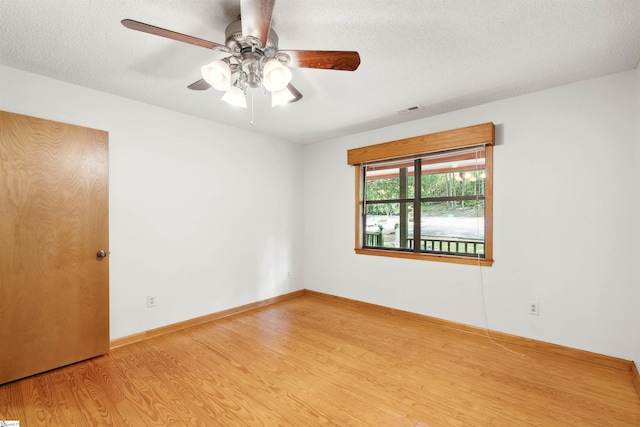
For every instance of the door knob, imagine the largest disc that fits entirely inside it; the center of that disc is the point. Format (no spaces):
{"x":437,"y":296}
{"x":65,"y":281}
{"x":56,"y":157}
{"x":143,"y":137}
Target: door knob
{"x":101,"y":254}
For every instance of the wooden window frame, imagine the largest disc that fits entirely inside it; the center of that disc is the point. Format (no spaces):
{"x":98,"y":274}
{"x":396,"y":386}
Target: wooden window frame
{"x":466,"y":137}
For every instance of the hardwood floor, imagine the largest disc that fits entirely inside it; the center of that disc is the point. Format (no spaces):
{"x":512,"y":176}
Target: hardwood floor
{"x":316,"y":361}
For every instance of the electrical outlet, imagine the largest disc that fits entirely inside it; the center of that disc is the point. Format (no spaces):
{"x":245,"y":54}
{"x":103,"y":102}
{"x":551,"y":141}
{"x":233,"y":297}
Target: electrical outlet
{"x":151,"y":301}
{"x":534,"y":308}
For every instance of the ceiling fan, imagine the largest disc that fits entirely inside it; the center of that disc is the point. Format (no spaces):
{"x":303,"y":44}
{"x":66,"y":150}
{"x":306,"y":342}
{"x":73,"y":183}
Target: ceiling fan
{"x":255,"y":59}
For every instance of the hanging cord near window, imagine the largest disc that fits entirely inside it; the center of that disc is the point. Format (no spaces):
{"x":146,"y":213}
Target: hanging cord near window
{"x":484,"y":304}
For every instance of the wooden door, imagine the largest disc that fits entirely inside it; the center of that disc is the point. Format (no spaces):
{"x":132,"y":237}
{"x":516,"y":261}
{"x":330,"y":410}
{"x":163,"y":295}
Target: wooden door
{"x":54,"y":288}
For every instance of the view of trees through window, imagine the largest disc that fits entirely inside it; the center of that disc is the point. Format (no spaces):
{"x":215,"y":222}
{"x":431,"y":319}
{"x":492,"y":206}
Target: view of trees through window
{"x":450,"y":203}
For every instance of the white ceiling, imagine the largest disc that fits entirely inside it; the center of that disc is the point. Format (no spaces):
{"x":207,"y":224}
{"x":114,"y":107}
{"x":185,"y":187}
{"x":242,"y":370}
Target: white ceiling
{"x":441,"y":54}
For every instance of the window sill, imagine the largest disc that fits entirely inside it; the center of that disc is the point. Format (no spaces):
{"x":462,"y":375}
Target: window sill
{"x":427,"y":257}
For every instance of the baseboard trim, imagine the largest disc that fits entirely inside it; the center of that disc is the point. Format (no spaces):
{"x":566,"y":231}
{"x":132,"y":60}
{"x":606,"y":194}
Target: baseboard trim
{"x":635,"y":377}
{"x":130,"y":339}
{"x":506,"y":339}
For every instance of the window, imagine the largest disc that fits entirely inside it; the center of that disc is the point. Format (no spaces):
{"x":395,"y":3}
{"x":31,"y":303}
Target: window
{"x":428,"y":197}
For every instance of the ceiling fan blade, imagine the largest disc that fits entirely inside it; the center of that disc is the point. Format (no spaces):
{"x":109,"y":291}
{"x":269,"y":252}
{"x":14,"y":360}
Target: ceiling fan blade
{"x":157,"y":31}
{"x":256,"y":18}
{"x":295,"y":92}
{"x":324,"y":59}
{"x":199,"y":85}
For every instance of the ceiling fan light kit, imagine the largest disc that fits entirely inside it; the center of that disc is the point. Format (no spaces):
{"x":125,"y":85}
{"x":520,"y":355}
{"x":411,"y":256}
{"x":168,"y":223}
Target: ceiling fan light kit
{"x":254,"y":57}
{"x":282,"y":96}
{"x":217,"y":74}
{"x":235,"y":96}
{"x":275,"y":75}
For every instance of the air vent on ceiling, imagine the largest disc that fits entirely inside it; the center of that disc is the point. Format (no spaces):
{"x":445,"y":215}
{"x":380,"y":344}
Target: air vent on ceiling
{"x":409,"y":109}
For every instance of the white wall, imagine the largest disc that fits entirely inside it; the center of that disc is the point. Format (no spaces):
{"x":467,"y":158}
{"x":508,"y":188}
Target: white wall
{"x":566,"y":163}
{"x":563,"y":222}
{"x":202,"y":216}
{"x":636,"y":296}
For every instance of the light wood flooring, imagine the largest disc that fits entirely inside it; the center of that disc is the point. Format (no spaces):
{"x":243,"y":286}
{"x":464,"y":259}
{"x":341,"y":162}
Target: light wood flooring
{"x":311,"y":361}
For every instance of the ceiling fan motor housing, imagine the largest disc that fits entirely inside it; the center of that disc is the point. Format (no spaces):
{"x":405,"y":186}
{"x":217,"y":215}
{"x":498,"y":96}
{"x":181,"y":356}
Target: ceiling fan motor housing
{"x":237,"y":42}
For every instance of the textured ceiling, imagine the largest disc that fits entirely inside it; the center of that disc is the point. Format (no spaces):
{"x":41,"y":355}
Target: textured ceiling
{"x":441,"y":54}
